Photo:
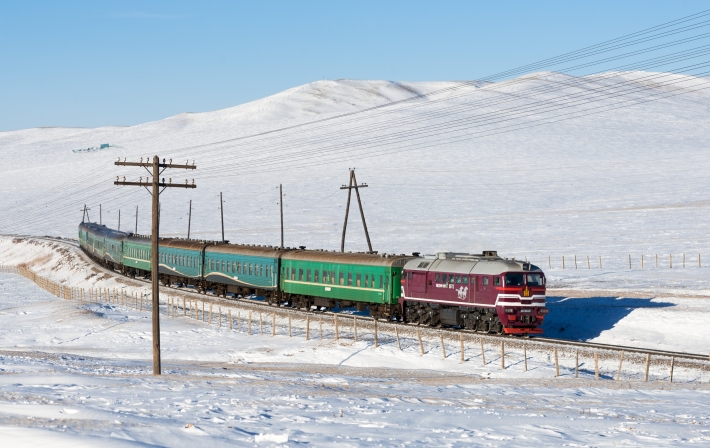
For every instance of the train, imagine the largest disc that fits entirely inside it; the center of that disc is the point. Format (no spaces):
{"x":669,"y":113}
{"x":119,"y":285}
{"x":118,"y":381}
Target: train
{"x":480,"y":292}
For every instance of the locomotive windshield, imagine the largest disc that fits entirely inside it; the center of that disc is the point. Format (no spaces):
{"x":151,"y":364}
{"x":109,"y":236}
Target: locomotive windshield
{"x":514,"y":279}
{"x":535,"y":280}
{"x":519,"y":279}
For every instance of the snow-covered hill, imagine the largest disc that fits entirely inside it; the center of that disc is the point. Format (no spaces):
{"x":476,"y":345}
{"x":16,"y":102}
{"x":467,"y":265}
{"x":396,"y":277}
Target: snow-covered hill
{"x":461,"y":167}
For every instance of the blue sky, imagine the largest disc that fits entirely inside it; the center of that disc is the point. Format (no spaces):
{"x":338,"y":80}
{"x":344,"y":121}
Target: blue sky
{"x":87,"y":64}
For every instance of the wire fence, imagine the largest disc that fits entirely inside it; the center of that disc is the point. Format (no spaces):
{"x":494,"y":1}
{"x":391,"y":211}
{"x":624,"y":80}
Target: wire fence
{"x":496,"y":353}
{"x":629,"y":261}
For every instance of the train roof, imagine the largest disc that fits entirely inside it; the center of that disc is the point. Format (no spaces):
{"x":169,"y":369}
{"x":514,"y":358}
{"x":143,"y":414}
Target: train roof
{"x":102,"y":230}
{"x":246,"y":249}
{"x":487,"y":263}
{"x":323,"y":256}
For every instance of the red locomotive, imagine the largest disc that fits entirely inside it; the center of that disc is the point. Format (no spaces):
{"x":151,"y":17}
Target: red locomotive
{"x":481,"y":292}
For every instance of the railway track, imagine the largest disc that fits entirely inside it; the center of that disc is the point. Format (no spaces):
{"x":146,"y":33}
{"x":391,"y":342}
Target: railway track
{"x":405,"y":327}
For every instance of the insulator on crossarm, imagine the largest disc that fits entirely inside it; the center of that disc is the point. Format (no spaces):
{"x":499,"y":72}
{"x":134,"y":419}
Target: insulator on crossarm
{"x":141,"y":159}
{"x":140,"y":179}
{"x":185,"y":181}
{"x":171,"y":161}
{"x":170,"y":181}
{"x":116,"y":178}
{"x":124,"y":178}
{"x":193,"y":181}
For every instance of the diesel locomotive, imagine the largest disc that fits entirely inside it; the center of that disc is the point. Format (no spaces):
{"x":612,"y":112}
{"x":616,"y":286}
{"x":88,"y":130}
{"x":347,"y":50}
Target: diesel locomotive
{"x":483,"y":292}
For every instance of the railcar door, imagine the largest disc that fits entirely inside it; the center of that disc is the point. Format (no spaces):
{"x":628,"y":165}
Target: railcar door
{"x":417,"y":284}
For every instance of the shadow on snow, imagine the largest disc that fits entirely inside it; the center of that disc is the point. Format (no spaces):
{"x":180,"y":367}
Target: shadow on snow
{"x":586,"y":318}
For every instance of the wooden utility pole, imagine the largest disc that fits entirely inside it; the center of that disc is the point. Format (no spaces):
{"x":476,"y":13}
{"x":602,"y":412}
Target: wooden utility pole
{"x":353,"y":185}
{"x":189,"y":220}
{"x":119,"y":219}
{"x":86,"y":214}
{"x":281,"y":204}
{"x":100,"y":215}
{"x":136,"y":232}
{"x":158,"y":169}
{"x":221,"y":212}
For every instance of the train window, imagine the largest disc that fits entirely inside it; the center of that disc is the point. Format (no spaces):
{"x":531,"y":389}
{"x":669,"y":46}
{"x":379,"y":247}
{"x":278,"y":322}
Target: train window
{"x":293,"y":273}
{"x":341,"y":277}
{"x":261,"y":270}
{"x":451,"y":278}
{"x":514,"y":279}
{"x":229,"y":267}
{"x":350,"y":278}
{"x":497,"y":281}
{"x":300,"y":274}
{"x":358,"y":280}
{"x":464,"y":280}
{"x":409,"y":276}
{"x":458,"y":279}
{"x":367,"y":278}
{"x":534,"y":280}
{"x":325,"y":277}
{"x":308,"y":275}
{"x":250,"y":269}
{"x":332,"y":277}
{"x":485,"y":281}
{"x":437,"y":278}
{"x":316,"y":278}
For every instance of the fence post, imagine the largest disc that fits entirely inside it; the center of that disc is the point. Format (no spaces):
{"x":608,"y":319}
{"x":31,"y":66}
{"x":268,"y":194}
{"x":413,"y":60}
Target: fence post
{"x":596,"y":366}
{"x":239,"y":315}
{"x":549,"y":262}
{"x":648,"y":364}
{"x":502,"y":355}
{"x":335,"y":325}
{"x":641,"y":261}
{"x":589,"y":266}
{"x":462,"y":347}
{"x":575,"y":261}
{"x":557,"y":364}
{"x":698,"y":260}
{"x":376,"y":341}
{"x":621,"y":360}
{"x":308,"y":325}
{"x":289,"y":326}
{"x":672,"y":362}
{"x":355,"y":328}
{"x":683,"y":261}
{"x":273,"y":324}
{"x":525,"y":357}
{"x":230,"y":318}
{"x":563,"y":261}
{"x":483,"y":351}
{"x":656,"y":261}
{"x":670,"y":259}
{"x":261,"y":325}
{"x":443,"y":348}
{"x":321,"y":328}
{"x":210,"y":322}
{"x":396,"y":332}
{"x":576,"y":364}
{"x":629,"y":261}
{"x":249,"y":325}
{"x":600,"y":262}
{"x":421,"y":346}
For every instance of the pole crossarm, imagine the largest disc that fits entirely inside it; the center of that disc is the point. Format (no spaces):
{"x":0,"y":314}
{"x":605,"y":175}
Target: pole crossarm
{"x":160,"y":165}
{"x":150,"y":184}
{"x":345,"y":187}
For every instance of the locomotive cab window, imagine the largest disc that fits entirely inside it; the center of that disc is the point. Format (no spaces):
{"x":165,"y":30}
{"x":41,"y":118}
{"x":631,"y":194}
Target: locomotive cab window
{"x":514,"y":279}
{"x":535,"y":280}
{"x":464,"y":280}
{"x":496,"y":281}
{"x":485,"y":281}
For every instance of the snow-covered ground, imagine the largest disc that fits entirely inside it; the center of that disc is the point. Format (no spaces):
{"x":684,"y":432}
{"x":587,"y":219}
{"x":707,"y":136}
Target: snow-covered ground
{"x":76,"y":374}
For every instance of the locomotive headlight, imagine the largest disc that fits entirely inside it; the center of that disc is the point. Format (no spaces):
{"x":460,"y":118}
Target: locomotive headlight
{"x":543,"y":311}
{"x":508,"y":310}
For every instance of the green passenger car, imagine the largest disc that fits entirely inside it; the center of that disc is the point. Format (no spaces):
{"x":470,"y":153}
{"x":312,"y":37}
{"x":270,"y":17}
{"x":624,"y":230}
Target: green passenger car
{"x":321,"y":278}
{"x":137,"y":252}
